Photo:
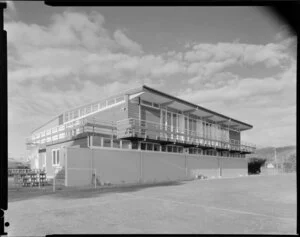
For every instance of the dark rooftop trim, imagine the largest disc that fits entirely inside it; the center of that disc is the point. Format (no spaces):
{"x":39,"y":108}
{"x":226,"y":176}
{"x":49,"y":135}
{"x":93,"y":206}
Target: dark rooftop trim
{"x":193,"y":105}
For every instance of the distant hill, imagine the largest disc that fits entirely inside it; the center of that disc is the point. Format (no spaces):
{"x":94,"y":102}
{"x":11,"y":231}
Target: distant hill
{"x":14,"y":164}
{"x":268,"y":153}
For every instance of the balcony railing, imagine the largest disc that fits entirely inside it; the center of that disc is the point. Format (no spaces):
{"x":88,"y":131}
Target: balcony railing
{"x":145,"y":129}
{"x":71,"y":130}
{"x":135,"y":128}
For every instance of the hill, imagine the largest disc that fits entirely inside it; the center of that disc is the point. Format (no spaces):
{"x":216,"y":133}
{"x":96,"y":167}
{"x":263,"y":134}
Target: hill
{"x":14,"y":164}
{"x":268,"y":153}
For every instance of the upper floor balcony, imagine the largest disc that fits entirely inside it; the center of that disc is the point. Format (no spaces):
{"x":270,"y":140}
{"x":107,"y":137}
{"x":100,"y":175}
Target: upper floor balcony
{"x":135,"y":128}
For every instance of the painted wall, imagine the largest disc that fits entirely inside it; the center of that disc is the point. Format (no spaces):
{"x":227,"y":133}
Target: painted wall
{"x":118,"y":166}
{"x":205,"y":165}
{"x":162,"y":166}
{"x":132,"y":109}
{"x":233,"y":167}
{"x":79,"y":143}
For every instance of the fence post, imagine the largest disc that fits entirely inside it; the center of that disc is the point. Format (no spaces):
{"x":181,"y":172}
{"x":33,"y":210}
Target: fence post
{"x":54,"y":182}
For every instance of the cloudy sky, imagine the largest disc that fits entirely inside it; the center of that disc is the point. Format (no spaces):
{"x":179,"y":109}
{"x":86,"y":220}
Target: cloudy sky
{"x":239,"y":61}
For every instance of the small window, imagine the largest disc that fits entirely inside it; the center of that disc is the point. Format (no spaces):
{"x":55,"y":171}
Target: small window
{"x":149,"y":146}
{"x":116,"y":143}
{"x":88,"y":109}
{"x":76,"y":114}
{"x":155,"y":105}
{"x":55,"y":157}
{"x":102,"y":104}
{"x":119,"y":99}
{"x":134,"y":145}
{"x":110,"y":102}
{"x":82,"y":112}
{"x":95,"y":107}
{"x":106,"y":142}
{"x":125,"y":144}
{"x":180,"y":150}
{"x":143,"y":146}
{"x":146,"y":103}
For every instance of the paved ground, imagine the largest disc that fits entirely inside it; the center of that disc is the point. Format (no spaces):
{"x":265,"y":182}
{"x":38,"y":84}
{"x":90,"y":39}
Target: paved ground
{"x":245,"y":205}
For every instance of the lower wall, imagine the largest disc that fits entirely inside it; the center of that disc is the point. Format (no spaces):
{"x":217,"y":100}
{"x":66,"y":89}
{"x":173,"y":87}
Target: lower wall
{"x":118,"y":166}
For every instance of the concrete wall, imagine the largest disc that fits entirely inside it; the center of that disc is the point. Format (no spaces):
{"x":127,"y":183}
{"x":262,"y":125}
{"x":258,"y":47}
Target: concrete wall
{"x":205,"y":165}
{"x":162,"y":166}
{"x":118,"y":166}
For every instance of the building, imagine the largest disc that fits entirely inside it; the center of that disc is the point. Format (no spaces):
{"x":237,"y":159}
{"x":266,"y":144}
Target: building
{"x":140,"y":121}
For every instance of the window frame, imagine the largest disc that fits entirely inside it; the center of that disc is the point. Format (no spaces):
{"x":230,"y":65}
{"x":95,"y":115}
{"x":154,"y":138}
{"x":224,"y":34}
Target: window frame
{"x":55,"y":157}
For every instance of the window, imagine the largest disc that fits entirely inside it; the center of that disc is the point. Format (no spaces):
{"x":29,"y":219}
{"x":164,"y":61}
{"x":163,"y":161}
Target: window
{"x":125,"y":144}
{"x":155,"y":105}
{"x":106,"y":142}
{"x":174,"y":148}
{"x":163,"y":148}
{"x":102,"y":104}
{"x":169,"y":148}
{"x":134,"y":145}
{"x":119,"y":99}
{"x":116,"y":143}
{"x":143,"y":146}
{"x":82,"y":112}
{"x":88,"y":109}
{"x":149,"y":146}
{"x":110,"y":102}
{"x":180,"y":149}
{"x":55,"y":157}
{"x":146,"y":103}
{"x":94,"y":107}
{"x":76,"y":114}
{"x":156,"y":147}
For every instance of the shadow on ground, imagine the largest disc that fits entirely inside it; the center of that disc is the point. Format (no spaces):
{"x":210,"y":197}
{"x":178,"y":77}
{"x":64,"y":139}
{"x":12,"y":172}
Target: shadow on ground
{"x":26,"y":193}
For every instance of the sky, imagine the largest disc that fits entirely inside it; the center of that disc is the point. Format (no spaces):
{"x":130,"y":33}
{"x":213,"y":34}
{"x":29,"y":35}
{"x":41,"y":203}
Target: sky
{"x":238,"y":61}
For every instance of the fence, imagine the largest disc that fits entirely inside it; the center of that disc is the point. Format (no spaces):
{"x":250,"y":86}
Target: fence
{"x":105,"y":166}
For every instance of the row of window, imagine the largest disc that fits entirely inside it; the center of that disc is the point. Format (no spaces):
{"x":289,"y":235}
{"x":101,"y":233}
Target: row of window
{"x":92,"y":108}
{"x":148,"y":146}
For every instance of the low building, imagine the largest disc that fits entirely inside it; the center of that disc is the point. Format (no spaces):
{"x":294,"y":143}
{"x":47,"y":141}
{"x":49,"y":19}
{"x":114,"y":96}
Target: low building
{"x":139,"y":121}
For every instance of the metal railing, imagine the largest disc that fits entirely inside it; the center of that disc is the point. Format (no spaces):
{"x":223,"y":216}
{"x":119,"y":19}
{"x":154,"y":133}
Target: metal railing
{"x":71,"y":130}
{"x":145,"y":129}
{"x":138,"y":128}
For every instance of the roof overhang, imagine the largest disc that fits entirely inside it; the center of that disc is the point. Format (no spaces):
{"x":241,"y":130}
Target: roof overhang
{"x":187,"y":107}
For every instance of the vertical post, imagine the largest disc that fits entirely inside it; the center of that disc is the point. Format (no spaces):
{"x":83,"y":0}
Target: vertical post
{"x":95,"y":178}
{"x":54,"y":181}
{"x":141,"y":167}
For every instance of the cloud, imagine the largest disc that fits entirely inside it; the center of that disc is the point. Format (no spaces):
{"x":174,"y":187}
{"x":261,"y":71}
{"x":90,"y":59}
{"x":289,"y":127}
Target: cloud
{"x":76,"y":59}
{"x":127,"y":43}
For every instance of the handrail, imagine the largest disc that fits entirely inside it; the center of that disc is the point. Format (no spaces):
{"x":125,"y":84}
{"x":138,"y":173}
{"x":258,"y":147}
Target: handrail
{"x":173,"y":131}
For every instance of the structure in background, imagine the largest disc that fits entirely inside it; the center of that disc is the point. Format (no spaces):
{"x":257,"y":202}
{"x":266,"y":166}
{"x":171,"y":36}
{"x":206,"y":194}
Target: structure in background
{"x":140,"y":119}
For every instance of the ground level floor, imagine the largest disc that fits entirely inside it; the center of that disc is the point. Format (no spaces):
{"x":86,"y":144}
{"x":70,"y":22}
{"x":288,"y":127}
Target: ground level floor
{"x":100,"y":159}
